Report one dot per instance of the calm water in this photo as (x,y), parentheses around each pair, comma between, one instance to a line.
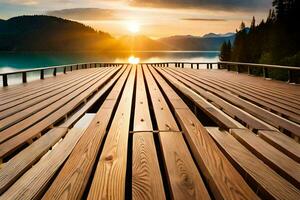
(18,61)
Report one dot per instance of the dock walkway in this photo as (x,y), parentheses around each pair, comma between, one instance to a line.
(148,132)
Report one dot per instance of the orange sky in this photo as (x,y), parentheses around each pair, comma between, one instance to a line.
(157,18)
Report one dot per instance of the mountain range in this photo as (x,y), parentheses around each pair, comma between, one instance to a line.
(48,33)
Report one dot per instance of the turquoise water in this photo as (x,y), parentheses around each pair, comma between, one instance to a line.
(18,61)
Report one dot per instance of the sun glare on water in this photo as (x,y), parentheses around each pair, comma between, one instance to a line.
(133,60)
(133,27)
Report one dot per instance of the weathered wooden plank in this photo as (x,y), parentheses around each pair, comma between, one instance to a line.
(282,164)
(34,181)
(224,181)
(18,165)
(66,92)
(33,87)
(267,182)
(267,94)
(217,115)
(291,113)
(184,178)
(31,94)
(73,177)
(146,177)
(73,119)
(11,144)
(110,175)
(226,107)
(258,95)
(251,108)
(283,143)
(21,104)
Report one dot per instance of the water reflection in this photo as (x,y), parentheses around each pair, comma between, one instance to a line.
(17,61)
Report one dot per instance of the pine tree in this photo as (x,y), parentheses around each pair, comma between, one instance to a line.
(252,27)
(225,54)
(242,26)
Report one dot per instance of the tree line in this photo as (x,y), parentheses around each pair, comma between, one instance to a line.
(275,40)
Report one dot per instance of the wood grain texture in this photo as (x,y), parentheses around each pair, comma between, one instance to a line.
(219,117)
(38,106)
(267,181)
(109,178)
(18,165)
(15,92)
(280,108)
(34,181)
(283,143)
(260,113)
(223,179)
(227,107)
(236,80)
(11,144)
(282,164)
(44,96)
(184,178)
(146,176)
(19,104)
(72,179)
(34,117)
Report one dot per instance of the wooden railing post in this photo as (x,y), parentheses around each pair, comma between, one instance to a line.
(42,74)
(197,65)
(211,65)
(4,80)
(192,65)
(24,77)
(265,72)
(182,65)
(291,77)
(228,67)
(54,72)
(237,68)
(65,70)
(219,66)
(248,70)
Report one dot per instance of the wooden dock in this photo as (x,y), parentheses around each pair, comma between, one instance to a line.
(149,132)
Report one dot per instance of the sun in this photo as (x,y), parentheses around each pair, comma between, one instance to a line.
(133,60)
(133,27)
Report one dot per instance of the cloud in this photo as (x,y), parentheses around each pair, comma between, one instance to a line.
(203,19)
(245,5)
(86,14)
(24,2)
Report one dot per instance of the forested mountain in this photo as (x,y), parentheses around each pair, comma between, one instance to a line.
(274,41)
(45,33)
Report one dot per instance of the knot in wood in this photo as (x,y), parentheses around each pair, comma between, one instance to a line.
(109,158)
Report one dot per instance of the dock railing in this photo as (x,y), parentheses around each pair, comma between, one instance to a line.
(286,73)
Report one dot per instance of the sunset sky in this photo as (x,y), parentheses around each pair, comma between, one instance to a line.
(156,18)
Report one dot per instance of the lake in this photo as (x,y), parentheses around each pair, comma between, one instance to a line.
(18,61)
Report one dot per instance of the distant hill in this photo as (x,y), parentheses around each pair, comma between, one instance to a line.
(209,42)
(214,35)
(45,33)
(142,43)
